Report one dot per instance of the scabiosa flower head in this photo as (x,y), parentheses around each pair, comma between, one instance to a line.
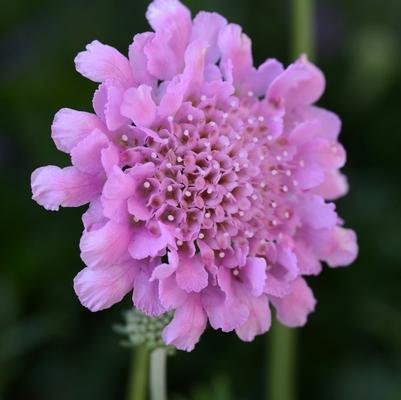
(208,180)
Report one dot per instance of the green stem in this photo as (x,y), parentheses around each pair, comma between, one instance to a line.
(303,28)
(138,379)
(158,385)
(282,354)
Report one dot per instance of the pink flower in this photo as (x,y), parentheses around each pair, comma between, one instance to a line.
(209,180)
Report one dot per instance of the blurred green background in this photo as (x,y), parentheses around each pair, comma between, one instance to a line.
(52,348)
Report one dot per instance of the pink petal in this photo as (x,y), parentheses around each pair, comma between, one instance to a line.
(53,187)
(146,244)
(259,319)
(191,274)
(100,289)
(103,247)
(93,218)
(139,61)
(118,188)
(335,185)
(187,326)
(172,22)
(293,310)
(139,106)
(70,127)
(146,295)
(171,296)
(300,84)
(330,124)
(236,47)
(314,212)
(258,80)
(222,313)
(86,155)
(206,27)
(253,274)
(107,101)
(343,247)
(100,62)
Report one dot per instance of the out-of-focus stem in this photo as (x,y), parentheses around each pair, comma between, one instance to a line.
(303,28)
(138,379)
(158,385)
(282,355)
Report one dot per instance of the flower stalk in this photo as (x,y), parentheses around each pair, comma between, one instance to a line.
(158,384)
(138,379)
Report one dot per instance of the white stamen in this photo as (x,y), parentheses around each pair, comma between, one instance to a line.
(269,137)
(278,158)
(241,213)
(255,140)
(171,218)
(201,236)
(124,138)
(180,242)
(254,197)
(212,124)
(250,93)
(287,215)
(209,190)
(146,185)
(170,118)
(261,158)
(208,215)
(222,254)
(188,193)
(169,188)
(154,155)
(274,222)
(233,103)
(190,117)
(238,137)
(186,132)
(284,188)
(261,118)
(225,115)
(210,158)
(288,172)
(203,97)
(235,271)
(273,204)
(274,172)
(179,159)
(262,185)
(250,121)
(169,165)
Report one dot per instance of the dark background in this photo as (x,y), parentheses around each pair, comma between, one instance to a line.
(52,348)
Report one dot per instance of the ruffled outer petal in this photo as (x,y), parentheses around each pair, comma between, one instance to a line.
(293,310)
(87,154)
(53,187)
(100,62)
(103,247)
(146,294)
(188,324)
(71,126)
(191,274)
(259,318)
(139,106)
(100,289)
(301,83)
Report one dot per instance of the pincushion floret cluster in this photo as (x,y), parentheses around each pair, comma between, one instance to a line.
(209,181)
